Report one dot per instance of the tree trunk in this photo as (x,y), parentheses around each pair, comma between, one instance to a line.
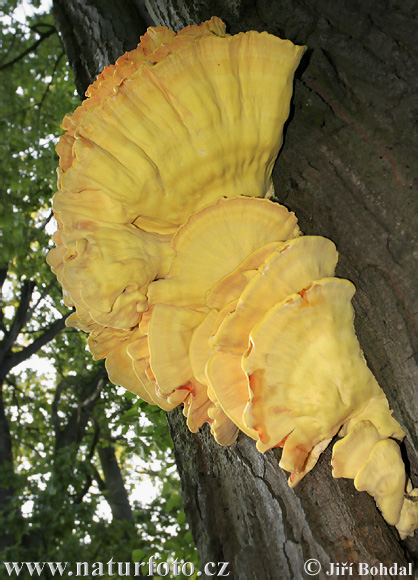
(115,491)
(346,171)
(7,476)
(95,34)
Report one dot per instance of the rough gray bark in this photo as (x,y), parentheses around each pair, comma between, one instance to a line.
(242,511)
(95,34)
(346,171)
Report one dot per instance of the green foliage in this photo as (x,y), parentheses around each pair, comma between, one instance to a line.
(36,93)
(64,417)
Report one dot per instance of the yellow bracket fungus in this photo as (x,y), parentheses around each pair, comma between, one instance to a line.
(214,241)
(169,335)
(196,290)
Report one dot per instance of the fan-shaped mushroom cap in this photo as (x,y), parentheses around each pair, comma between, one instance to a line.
(138,351)
(169,334)
(408,519)
(290,268)
(215,241)
(199,349)
(83,321)
(383,477)
(138,348)
(102,340)
(350,453)
(127,359)
(155,45)
(377,412)
(121,372)
(231,286)
(222,428)
(308,364)
(170,330)
(107,268)
(230,386)
(375,463)
(159,128)
(309,462)
(196,406)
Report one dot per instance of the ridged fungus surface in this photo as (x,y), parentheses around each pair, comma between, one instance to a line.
(195,288)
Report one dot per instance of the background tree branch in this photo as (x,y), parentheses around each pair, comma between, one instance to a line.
(32,48)
(12,359)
